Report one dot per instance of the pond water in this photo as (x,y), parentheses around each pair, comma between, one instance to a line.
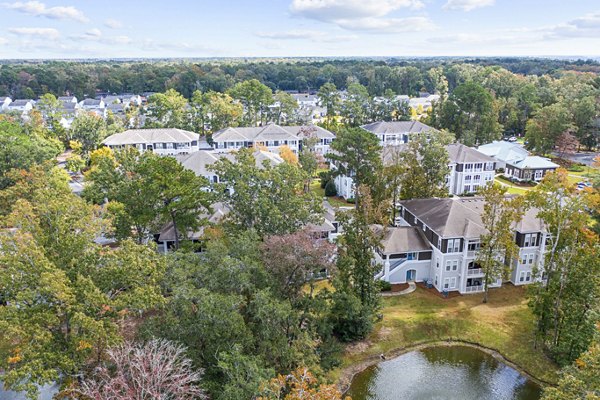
(443,372)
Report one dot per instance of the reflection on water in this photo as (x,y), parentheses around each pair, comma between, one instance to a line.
(444,372)
(45,393)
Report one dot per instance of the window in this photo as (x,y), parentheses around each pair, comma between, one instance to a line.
(530,240)
(477,178)
(528,276)
(522,277)
(452,283)
(454,265)
(531,257)
(489,166)
(467,188)
(448,265)
(523,259)
(446,283)
(436,280)
(467,178)
(453,246)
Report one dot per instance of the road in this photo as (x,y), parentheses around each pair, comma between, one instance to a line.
(583,157)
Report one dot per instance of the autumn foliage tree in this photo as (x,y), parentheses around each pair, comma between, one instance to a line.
(294,259)
(301,384)
(64,296)
(154,370)
(566,143)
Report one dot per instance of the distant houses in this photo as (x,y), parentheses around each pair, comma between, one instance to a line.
(517,163)
(22,107)
(4,102)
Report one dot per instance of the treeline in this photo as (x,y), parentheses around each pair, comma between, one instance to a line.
(403,76)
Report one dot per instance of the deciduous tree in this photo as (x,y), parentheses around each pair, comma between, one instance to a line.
(498,246)
(157,369)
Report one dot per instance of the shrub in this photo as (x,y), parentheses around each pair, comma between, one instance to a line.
(325,177)
(330,189)
(385,286)
(351,320)
(576,168)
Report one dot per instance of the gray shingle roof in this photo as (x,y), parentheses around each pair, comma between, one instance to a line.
(21,103)
(402,239)
(460,154)
(200,161)
(268,132)
(137,136)
(397,127)
(461,217)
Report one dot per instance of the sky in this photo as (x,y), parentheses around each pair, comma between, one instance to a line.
(298,28)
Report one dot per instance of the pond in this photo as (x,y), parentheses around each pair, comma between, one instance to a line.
(443,372)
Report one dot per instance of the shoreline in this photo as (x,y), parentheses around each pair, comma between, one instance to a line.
(348,373)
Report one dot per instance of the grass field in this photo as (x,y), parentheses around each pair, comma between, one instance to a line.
(315,186)
(504,324)
(512,188)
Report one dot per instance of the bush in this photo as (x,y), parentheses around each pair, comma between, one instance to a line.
(385,286)
(576,168)
(325,177)
(330,189)
(351,320)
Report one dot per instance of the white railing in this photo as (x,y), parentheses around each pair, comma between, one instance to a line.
(474,271)
(474,289)
(471,253)
(396,263)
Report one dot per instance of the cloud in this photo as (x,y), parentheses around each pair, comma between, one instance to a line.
(39,9)
(49,33)
(95,35)
(333,10)
(389,25)
(290,35)
(3,41)
(314,36)
(467,5)
(363,15)
(582,27)
(113,23)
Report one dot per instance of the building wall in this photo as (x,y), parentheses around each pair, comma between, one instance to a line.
(449,271)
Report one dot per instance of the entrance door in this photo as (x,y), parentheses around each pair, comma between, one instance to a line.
(411,275)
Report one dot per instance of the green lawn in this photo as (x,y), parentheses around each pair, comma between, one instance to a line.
(504,324)
(315,186)
(512,188)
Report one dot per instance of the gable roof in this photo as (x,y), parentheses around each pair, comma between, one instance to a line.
(535,162)
(199,161)
(391,127)
(461,217)
(137,136)
(402,239)
(460,154)
(268,132)
(504,151)
(21,102)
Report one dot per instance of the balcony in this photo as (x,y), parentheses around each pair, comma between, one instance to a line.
(474,289)
(471,253)
(474,271)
